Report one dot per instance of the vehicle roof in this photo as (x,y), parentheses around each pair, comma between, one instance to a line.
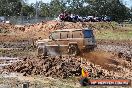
(72,29)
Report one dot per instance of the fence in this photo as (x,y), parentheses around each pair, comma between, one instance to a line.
(27,20)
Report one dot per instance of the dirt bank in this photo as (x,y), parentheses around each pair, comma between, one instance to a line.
(53,67)
(100,64)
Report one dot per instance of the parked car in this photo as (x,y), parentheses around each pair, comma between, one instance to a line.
(97,19)
(2,19)
(107,18)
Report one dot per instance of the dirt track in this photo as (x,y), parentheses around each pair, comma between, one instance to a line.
(122,48)
(100,64)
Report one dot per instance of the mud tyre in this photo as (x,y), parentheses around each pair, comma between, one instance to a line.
(91,49)
(73,50)
(42,52)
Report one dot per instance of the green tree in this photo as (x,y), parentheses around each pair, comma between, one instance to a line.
(8,7)
(28,10)
(131,12)
(44,9)
(56,7)
(114,8)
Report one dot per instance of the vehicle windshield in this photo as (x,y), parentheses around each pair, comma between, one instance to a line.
(55,35)
(88,33)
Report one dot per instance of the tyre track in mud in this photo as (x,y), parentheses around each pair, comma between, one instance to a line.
(122,48)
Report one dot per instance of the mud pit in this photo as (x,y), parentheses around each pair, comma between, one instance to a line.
(112,65)
(50,67)
(100,64)
(109,60)
(122,48)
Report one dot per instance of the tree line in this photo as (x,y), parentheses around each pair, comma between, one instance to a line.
(114,8)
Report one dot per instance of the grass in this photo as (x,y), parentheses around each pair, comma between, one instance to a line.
(117,33)
(39,82)
(114,35)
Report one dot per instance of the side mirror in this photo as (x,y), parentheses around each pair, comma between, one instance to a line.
(50,37)
(53,39)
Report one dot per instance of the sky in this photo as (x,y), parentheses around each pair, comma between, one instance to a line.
(127,2)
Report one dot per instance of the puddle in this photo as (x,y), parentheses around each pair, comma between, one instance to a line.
(4,61)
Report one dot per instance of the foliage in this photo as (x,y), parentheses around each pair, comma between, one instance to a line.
(8,7)
(114,8)
(28,10)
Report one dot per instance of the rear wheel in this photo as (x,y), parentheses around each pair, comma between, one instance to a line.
(42,51)
(73,50)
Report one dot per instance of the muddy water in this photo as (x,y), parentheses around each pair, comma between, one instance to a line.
(4,61)
(22,44)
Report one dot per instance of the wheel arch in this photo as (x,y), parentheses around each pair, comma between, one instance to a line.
(72,43)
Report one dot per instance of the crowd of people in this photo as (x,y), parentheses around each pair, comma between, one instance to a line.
(64,16)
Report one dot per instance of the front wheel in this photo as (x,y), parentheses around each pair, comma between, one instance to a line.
(73,50)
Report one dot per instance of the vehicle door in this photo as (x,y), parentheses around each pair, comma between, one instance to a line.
(53,45)
(64,41)
(77,37)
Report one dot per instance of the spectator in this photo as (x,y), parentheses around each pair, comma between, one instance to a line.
(61,16)
(76,18)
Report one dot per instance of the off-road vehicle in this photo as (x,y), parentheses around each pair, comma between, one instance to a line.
(70,41)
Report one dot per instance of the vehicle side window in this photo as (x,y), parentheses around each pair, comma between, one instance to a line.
(64,35)
(77,34)
(56,35)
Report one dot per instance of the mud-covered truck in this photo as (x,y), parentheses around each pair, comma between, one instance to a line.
(67,41)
